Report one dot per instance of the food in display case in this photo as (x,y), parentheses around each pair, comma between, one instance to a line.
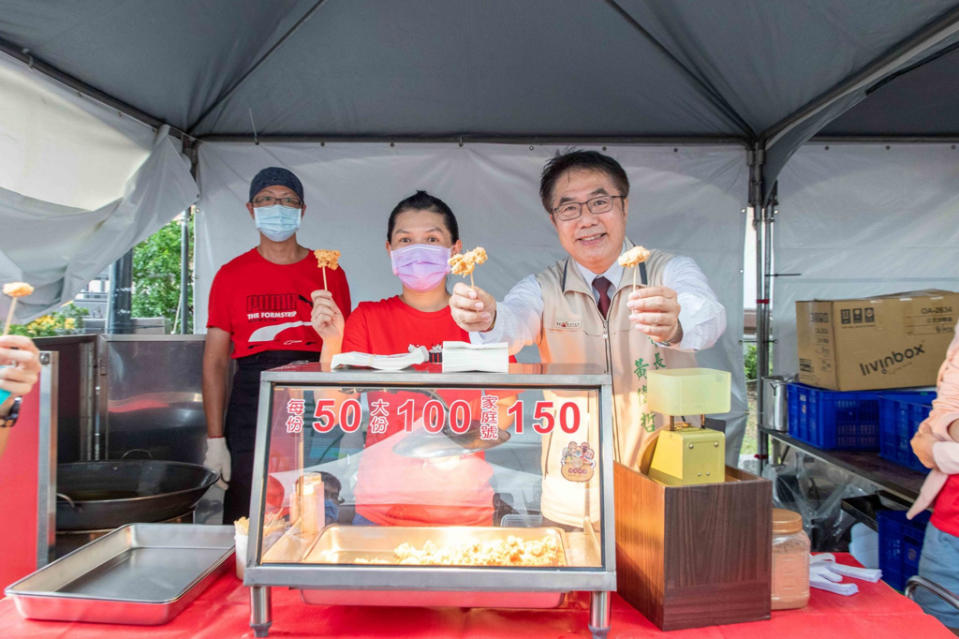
(512,551)
(475,546)
(440,475)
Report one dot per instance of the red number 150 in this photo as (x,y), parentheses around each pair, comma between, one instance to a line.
(545,415)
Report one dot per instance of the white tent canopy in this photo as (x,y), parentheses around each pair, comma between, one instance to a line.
(468,99)
(766,75)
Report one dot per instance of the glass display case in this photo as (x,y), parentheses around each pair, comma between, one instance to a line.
(420,487)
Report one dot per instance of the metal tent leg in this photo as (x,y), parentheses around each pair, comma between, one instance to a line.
(261,610)
(599,615)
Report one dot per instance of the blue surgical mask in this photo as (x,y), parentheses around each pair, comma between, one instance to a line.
(277,222)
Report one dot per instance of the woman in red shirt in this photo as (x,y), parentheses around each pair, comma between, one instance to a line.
(422,234)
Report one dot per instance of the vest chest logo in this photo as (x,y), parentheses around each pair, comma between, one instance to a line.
(567,324)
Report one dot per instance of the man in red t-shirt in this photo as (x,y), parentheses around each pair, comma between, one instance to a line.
(262,313)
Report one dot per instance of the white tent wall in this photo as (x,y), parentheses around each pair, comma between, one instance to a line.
(80,184)
(64,148)
(862,219)
(687,200)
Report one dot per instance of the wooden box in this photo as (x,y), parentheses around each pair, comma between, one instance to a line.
(692,556)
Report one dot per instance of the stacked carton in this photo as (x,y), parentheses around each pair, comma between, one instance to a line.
(889,341)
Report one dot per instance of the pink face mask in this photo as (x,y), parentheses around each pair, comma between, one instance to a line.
(421,266)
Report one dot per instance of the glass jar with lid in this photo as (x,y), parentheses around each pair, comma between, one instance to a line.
(790,561)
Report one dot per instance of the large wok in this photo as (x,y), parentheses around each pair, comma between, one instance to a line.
(107,494)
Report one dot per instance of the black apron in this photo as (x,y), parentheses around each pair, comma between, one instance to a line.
(240,427)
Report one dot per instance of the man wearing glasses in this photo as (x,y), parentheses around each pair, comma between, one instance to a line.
(584,310)
(260,312)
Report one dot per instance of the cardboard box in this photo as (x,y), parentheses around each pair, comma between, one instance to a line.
(890,341)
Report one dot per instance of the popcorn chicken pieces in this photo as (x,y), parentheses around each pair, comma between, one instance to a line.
(17,289)
(464,263)
(634,256)
(511,551)
(459,265)
(326,258)
(479,255)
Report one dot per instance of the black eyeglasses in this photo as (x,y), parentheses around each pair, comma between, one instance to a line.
(569,211)
(269,200)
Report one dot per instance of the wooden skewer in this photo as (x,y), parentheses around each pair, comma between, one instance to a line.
(6,327)
(472,285)
(324,279)
(634,276)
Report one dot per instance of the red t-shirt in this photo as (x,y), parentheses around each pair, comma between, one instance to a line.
(945,512)
(404,491)
(266,306)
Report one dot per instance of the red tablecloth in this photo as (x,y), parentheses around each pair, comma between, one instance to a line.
(877,612)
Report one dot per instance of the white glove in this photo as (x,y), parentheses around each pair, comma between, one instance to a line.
(826,574)
(217,459)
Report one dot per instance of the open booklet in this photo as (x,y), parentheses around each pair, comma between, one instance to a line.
(396,362)
(463,356)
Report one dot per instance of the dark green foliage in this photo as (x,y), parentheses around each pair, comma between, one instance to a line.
(156,275)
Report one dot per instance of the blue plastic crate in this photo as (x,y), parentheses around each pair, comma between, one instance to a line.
(900,545)
(899,417)
(834,420)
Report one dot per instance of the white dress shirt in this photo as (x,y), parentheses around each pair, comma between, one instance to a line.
(703,318)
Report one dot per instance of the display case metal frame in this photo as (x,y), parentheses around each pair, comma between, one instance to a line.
(599,580)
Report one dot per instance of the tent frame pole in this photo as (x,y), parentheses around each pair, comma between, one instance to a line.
(119,304)
(463,139)
(190,149)
(761,215)
(770,211)
(907,51)
(184,265)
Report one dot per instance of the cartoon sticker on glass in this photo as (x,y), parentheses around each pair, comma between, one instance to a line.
(579,462)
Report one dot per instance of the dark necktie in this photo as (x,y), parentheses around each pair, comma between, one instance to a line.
(601,284)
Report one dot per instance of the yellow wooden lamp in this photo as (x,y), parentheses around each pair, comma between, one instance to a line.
(682,454)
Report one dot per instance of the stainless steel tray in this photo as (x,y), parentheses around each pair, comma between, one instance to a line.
(142,574)
(375,544)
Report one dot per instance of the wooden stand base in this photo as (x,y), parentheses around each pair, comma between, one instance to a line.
(692,556)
